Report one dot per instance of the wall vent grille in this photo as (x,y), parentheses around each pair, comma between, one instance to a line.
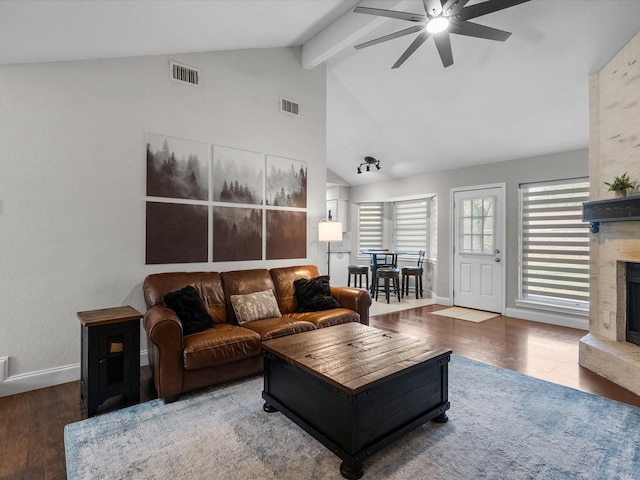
(184,74)
(289,106)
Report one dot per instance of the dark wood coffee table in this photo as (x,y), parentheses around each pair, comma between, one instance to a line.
(355,388)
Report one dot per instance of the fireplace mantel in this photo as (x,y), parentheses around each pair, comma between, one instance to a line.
(624,209)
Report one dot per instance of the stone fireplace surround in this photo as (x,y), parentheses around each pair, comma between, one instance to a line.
(605,349)
(614,148)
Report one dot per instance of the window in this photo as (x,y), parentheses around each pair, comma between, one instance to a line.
(476,226)
(554,247)
(411,225)
(370,221)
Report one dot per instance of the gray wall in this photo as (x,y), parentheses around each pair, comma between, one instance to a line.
(555,166)
(73,180)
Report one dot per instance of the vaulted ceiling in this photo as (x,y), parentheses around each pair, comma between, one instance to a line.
(499,101)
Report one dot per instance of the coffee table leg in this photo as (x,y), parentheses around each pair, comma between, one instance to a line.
(351,469)
(444,418)
(267,407)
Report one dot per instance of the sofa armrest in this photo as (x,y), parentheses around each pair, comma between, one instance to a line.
(164,335)
(355,299)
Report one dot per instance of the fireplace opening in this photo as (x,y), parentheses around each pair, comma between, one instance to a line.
(633,303)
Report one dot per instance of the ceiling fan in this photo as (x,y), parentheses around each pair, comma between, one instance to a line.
(441,18)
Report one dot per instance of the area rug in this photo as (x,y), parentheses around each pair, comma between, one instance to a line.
(468,314)
(381,307)
(502,425)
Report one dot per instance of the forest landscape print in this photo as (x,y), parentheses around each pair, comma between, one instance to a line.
(176,233)
(237,234)
(286,234)
(209,203)
(238,176)
(177,168)
(286,182)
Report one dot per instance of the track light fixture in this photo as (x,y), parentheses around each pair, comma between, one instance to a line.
(369,162)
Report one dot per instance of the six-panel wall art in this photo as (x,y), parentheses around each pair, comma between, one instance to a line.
(208,203)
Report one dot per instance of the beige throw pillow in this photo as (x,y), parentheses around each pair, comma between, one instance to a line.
(255,306)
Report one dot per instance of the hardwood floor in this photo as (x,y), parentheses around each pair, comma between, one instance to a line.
(32,423)
(543,351)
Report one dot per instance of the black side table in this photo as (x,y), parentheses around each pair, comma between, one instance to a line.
(110,363)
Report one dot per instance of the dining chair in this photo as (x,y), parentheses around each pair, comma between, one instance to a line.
(413,271)
(388,275)
(358,271)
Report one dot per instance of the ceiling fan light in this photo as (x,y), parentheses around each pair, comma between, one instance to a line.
(437,24)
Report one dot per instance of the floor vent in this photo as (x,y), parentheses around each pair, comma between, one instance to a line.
(184,74)
(289,106)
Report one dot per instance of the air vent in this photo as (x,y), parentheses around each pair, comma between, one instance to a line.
(289,106)
(184,74)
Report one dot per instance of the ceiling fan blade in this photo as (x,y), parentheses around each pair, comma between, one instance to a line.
(420,39)
(471,29)
(432,7)
(490,6)
(451,7)
(391,36)
(412,17)
(443,44)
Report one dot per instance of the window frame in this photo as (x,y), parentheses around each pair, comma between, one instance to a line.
(576,235)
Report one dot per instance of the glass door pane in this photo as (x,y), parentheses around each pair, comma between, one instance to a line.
(477,226)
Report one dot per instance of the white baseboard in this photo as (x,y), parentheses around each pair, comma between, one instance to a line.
(581,323)
(70,373)
(48,378)
(442,300)
(40,379)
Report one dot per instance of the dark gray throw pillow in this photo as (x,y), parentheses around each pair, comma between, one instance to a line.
(190,310)
(314,294)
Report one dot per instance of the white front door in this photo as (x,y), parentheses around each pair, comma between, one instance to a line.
(478,246)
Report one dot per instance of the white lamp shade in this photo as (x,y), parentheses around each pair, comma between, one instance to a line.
(330,231)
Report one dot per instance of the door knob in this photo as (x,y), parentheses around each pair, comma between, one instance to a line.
(497,251)
(497,260)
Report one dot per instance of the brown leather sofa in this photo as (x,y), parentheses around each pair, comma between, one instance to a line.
(227,351)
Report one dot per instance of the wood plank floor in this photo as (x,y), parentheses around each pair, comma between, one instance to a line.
(32,423)
(543,351)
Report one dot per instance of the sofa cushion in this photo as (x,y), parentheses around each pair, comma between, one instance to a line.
(241,282)
(207,284)
(314,294)
(188,305)
(255,306)
(326,318)
(269,328)
(283,278)
(221,344)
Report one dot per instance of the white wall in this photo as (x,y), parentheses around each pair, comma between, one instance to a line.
(536,169)
(72,181)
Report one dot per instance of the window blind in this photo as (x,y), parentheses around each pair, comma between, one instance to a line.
(554,243)
(370,222)
(411,225)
